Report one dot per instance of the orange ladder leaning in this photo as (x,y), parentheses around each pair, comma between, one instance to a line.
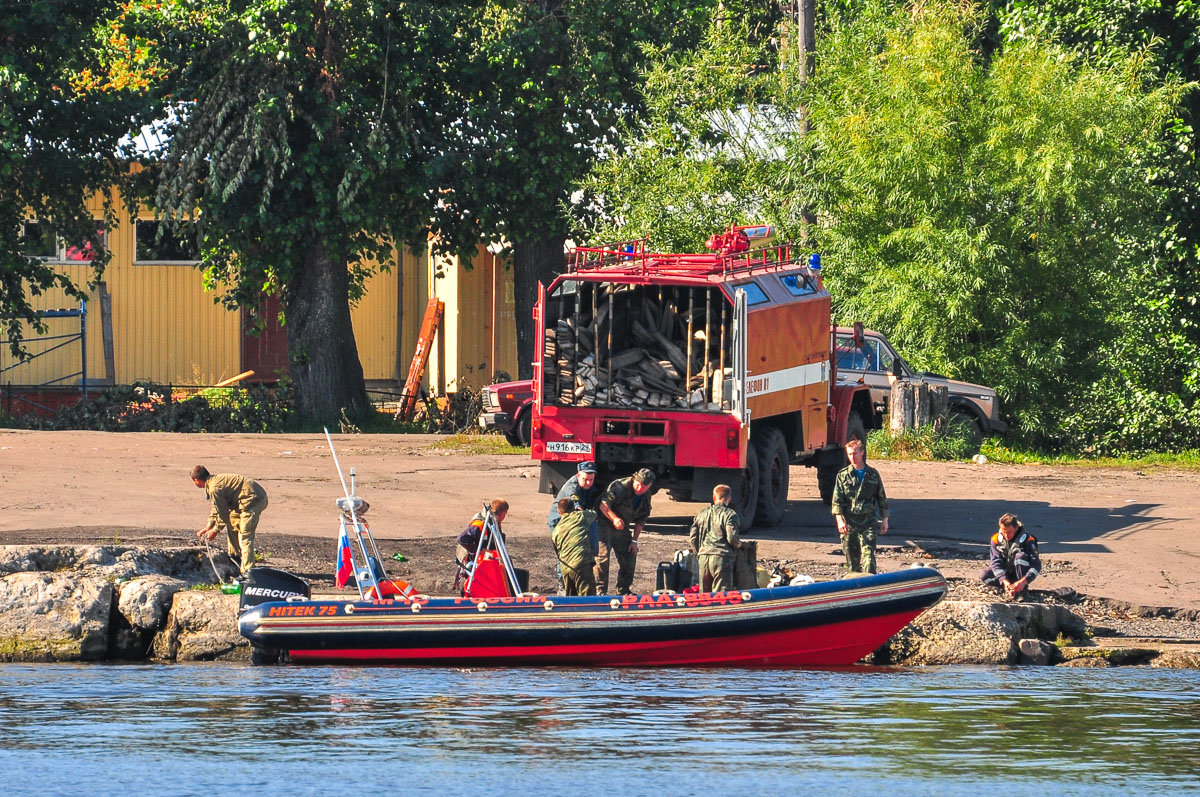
(412,385)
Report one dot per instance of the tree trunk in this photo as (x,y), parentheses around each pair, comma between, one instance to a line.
(322,354)
(533,262)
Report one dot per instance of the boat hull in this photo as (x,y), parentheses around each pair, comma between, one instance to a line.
(826,624)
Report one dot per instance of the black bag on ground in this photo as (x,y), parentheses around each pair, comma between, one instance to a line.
(667,577)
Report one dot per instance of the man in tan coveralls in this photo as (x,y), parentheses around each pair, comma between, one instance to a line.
(237,503)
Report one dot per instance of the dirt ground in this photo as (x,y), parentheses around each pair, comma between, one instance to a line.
(1119,534)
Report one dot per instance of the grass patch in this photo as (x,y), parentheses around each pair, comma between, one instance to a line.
(1182,460)
(923,443)
(477,444)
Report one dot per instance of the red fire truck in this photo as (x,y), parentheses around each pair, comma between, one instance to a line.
(707,368)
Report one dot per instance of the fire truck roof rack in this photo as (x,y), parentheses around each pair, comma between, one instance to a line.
(630,258)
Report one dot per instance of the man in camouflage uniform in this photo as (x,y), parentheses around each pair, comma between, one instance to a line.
(858,499)
(237,504)
(584,494)
(714,537)
(572,543)
(1014,560)
(624,508)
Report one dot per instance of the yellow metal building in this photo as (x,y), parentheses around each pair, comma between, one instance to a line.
(166,328)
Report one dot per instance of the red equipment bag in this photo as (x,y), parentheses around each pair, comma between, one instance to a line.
(490,581)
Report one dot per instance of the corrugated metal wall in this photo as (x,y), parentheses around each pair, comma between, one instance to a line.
(168,329)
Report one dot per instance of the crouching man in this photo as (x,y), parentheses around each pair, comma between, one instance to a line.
(573,544)
(715,534)
(1014,560)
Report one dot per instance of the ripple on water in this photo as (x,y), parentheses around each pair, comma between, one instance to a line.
(195,728)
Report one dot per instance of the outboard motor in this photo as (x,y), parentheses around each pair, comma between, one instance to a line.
(267,584)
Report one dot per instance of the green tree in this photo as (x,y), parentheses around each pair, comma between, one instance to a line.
(975,207)
(61,127)
(307,139)
(706,152)
(548,83)
(1150,399)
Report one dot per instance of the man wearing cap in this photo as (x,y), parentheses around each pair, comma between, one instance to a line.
(624,508)
(584,494)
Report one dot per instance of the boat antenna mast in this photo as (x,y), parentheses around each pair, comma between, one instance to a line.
(351,505)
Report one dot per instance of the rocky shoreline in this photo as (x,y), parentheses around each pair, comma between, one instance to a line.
(94,603)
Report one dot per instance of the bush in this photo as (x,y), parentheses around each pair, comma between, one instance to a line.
(148,407)
(925,442)
(1117,419)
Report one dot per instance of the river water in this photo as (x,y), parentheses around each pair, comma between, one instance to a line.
(223,729)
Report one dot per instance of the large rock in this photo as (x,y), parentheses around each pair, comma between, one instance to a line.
(114,561)
(142,608)
(145,602)
(1178,659)
(975,632)
(1036,652)
(202,626)
(54,617)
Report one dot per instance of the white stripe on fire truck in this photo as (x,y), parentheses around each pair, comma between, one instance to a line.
(786,379)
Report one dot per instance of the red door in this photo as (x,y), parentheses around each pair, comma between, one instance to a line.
(266,352)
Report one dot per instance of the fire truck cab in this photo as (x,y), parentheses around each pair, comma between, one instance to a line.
(707,368)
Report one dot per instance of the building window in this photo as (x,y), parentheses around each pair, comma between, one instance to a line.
(39,242)
(157,242)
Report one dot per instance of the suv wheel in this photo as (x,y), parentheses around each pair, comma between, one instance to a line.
(521,430)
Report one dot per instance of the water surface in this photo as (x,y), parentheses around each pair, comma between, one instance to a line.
(221,729)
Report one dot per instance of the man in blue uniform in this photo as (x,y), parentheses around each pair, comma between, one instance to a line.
(1014,561)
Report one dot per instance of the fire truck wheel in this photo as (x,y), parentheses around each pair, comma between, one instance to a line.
(826,476)
(771,450)
(745,499)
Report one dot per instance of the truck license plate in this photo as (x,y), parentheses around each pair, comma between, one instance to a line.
(565,447)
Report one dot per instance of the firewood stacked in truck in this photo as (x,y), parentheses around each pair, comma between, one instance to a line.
(625,345)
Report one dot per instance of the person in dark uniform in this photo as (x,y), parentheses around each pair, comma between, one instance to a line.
(860,507)
(715,535)
(1014,561)
(624,508)
(237,505)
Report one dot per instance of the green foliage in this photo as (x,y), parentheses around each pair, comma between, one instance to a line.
(478,444)
(699,160)
(59,137)
(975,208)
(1157,355)
(146,407)
(953,442)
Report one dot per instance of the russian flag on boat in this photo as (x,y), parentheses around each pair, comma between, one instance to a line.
(344,566)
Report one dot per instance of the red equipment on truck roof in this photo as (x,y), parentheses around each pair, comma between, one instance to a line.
(708,368)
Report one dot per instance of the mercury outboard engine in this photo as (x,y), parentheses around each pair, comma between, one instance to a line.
(267,584)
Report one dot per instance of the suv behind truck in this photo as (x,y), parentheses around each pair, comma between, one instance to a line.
(976,406)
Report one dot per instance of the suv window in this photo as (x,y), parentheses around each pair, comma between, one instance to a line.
(873,356)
